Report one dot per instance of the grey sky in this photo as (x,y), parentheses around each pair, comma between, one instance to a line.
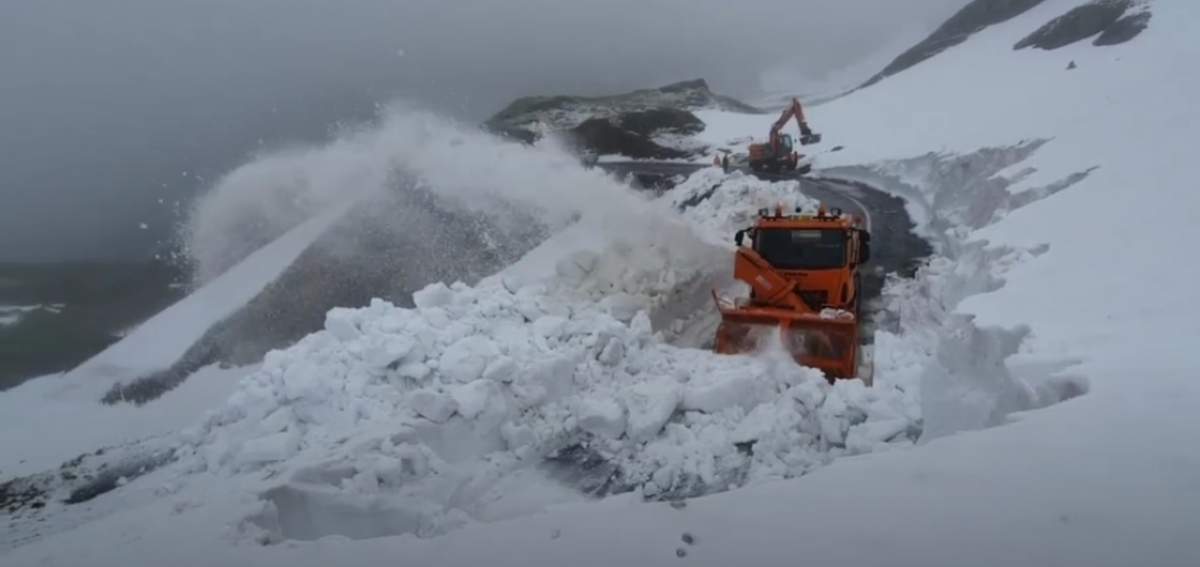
(104,104)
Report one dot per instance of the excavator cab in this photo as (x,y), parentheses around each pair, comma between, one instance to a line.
(803,276)
(786,145)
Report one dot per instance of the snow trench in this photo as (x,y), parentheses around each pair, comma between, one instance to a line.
(974,376)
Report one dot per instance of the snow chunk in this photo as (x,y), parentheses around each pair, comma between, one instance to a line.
(466,359)
(342,323)
(268,449)
(433,295)
(389,350)
(471,399)
(433,405)
(601,417)
(650,406)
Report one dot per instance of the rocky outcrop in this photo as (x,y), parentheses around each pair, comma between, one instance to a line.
(1124,29)
(973,18)
(659,120)
(625,124)
(1116,21)
(1085,21)
(566,112)
(601,136)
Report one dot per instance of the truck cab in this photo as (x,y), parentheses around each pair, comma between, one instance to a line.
(820,252)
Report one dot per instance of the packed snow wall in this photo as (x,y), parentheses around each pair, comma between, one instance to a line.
(975,376)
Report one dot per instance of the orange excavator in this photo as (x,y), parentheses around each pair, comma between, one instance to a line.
(803,276)
(779,152)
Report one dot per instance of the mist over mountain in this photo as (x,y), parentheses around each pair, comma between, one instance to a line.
(116,114)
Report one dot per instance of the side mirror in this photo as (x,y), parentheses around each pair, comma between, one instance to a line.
(737,238)
(864,247)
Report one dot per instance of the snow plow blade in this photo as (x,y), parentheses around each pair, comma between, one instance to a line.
(825,341)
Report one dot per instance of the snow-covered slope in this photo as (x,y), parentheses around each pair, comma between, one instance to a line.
(1057,200)
(64,409)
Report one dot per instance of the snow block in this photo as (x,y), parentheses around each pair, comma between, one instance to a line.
(268,449)
(466,359)
(622,306)
(550,326)
(473,398)
(500,369)
(722,390)
(601,417)
(865,437)
(388,350)
(641,326)
(413,370)
(650,405)
(517,436)
(433,295)
(342,324)
(612,352)
(433,405)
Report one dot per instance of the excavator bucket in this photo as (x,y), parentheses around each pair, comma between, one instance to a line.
(829,342)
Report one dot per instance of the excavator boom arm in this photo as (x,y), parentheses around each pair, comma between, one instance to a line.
(795,110)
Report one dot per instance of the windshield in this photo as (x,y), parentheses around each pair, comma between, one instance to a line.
(802,249)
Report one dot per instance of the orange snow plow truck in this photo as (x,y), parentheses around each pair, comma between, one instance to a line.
(803,276)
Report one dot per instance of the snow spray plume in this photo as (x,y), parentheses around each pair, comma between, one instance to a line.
(262,199)
(769,347)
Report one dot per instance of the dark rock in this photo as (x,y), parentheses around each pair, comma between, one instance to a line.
(1124,29)
(603,137)
(1071,66)
(1079,23)
(699,84)
(559,113)
(517,134)
(649,122)
(973,18)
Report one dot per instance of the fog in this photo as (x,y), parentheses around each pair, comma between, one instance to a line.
(112,112)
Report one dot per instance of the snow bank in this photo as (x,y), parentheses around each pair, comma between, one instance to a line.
(478,385)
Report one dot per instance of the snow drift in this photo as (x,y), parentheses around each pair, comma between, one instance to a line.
(430,411)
